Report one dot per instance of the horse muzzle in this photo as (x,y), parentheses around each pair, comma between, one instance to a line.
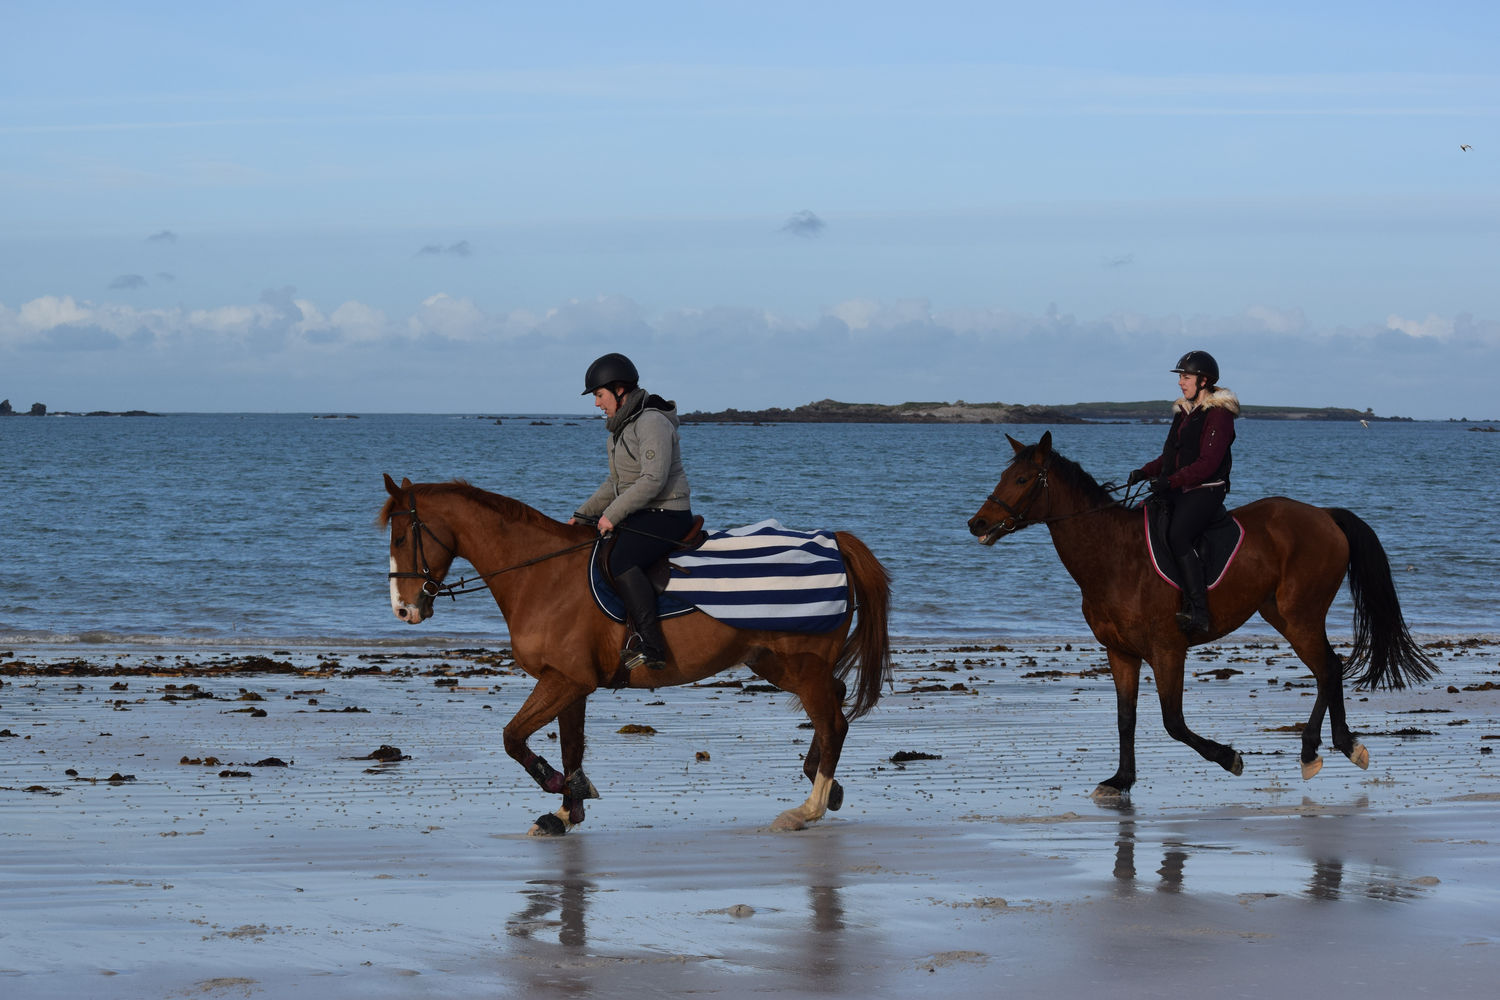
(987,533)
(413,614)
(406,610)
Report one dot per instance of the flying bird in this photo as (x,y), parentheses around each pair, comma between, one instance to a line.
(1465,146)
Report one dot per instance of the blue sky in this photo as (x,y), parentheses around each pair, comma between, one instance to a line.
(455,207)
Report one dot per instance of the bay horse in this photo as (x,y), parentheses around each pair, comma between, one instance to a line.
(1289,566)
(537,570)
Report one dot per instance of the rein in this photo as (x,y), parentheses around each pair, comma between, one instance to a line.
(432,588)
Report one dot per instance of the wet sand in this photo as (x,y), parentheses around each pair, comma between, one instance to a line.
(230,829)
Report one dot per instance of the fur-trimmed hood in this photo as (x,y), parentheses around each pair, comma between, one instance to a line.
(1209,398)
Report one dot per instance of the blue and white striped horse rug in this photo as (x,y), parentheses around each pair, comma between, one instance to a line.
(761,576)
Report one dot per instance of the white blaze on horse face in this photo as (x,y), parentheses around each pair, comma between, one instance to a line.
(399,608)
(395,594)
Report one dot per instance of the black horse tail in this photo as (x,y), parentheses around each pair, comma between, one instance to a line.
(1382,644)
(869,644)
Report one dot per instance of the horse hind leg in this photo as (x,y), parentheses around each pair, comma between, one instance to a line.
(1310,760)
(1343,738)
(821,695)
(814,759)
(1328,670)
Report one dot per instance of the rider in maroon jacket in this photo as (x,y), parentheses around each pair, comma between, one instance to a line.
(1192,474)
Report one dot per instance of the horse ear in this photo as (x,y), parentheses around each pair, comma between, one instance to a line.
(405,483)
(1016,445)
(390,484)
(1045,444)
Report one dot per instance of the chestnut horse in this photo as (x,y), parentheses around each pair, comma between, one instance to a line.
(537,570)
(1289,566)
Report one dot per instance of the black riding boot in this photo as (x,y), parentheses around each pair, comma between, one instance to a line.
(1193,618)
(639,596)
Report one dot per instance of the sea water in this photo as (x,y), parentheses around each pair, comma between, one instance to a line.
(226,529)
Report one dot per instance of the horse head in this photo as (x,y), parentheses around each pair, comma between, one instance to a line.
(1009,507)
(421,552)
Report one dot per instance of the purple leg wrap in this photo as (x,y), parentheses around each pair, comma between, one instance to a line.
(544,775)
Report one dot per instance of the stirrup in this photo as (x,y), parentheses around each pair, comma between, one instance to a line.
(642,655)
(1193,624)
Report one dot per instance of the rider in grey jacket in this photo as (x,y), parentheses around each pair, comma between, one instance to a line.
(645,498)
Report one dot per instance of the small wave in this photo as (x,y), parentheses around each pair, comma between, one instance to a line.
(102,637)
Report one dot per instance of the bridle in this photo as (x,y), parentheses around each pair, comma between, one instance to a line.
(431,586)
(1018,517)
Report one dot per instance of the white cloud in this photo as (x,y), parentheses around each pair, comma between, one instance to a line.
(50,311)
(869,314)
(229,321)
(607,316)
(1433,327)
(359,322)
(735,356)
(448,318)
(1275,320)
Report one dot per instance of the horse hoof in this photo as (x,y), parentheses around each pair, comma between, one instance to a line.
(1360,756)
(1110,798)
(1237,766)
(547,825)
(789,820)
(1311,767)
(835,796)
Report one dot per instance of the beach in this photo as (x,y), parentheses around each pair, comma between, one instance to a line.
(345,823)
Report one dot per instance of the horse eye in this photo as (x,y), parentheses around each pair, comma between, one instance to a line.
(1021,479)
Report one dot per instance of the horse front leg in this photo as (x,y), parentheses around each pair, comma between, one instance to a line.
(553,694)
(576,785)
(1126,670)
(1169,678)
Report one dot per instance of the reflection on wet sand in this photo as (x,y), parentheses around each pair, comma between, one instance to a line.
(567,895)
(1330,877)
(823,948)
(556,908)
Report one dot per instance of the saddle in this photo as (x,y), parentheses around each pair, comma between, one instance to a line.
(1216,548)
(659,573)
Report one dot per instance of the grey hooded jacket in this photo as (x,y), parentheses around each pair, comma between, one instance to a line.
(645,463)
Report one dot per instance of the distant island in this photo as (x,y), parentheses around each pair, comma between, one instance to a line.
(40,410)
(830,411)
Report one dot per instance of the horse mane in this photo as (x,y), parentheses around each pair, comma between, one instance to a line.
(1072,475)
(508,508)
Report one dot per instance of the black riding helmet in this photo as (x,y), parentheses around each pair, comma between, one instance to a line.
(609,369)
(1198,363)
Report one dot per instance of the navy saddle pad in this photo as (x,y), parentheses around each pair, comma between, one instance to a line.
(1217,548)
